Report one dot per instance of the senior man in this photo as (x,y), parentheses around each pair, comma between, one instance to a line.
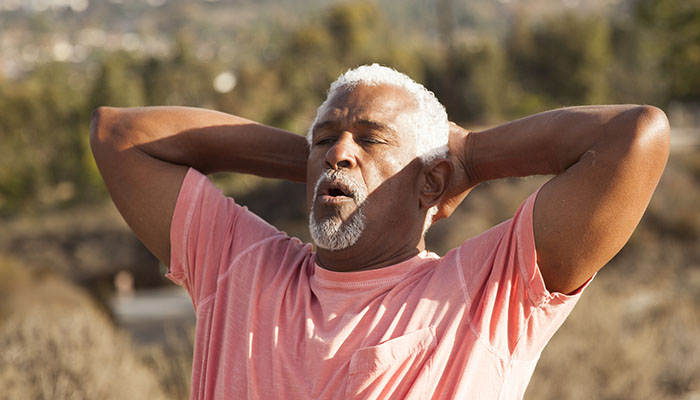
(369,313)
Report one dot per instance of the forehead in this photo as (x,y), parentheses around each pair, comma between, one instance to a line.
(386,104)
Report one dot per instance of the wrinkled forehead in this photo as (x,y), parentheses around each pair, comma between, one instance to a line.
(387,105)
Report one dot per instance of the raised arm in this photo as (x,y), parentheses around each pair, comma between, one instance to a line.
(143,155)
(607,161)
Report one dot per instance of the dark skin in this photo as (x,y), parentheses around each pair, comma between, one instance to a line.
(606,162)
(363,132)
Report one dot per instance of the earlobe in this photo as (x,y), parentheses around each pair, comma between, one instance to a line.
(437,178)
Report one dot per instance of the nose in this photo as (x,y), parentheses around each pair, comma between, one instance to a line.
(343,152)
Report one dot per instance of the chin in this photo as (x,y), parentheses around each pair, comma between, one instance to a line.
(335,234)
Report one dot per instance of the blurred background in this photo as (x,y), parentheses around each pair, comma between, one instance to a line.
(85,312)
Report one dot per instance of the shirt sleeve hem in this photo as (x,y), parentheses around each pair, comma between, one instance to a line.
(530,271)
(180,224)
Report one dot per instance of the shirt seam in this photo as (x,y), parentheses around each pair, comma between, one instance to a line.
(532,297)
(518,342)
(537,302)
(188,224)
(467,299)
(370,282)
(354,285)
(508,367)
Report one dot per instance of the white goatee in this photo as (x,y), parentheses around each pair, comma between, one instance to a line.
(334,233)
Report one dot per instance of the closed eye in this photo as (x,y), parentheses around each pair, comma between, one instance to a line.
(370,140)
(324,141)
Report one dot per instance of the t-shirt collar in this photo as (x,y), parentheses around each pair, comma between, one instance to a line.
(372,277)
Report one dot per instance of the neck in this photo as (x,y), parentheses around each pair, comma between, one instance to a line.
(360,257)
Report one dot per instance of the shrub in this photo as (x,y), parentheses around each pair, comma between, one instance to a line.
(57,344)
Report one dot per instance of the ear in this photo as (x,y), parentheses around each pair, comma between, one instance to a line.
(437,177)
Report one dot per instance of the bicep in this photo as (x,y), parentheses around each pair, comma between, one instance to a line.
(584,215)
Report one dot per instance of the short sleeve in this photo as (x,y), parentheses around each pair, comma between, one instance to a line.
(207,231)
(510,308)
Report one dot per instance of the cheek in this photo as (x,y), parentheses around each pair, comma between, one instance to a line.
(389,164)
(394,164)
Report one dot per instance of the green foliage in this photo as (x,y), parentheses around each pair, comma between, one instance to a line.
(563,60)
(471,81)
(179,80)
(353,26)
(635,76)
(43,155)
(294,82)
(119,82)
(674,36)
(45,159)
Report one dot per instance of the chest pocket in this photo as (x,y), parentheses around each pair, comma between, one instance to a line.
(396,369)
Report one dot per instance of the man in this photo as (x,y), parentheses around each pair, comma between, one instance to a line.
(370,313)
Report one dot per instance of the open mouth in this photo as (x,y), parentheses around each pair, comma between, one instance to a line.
(338,188)
(335,192)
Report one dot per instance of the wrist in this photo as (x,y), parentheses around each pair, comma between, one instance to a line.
(467,159)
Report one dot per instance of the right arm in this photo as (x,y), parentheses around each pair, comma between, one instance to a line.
(143,155)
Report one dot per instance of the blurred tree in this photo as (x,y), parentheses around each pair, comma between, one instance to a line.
(471,81)
(44,157)
(673,28)
(285,90)
(354,27)
(635,72)
(563,60)
(180,80)
(119,83)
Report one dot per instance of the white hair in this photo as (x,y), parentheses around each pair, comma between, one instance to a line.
(431,128)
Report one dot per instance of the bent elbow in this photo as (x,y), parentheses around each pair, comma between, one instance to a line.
(97,124)
(654,129)
(104,127)
(647,135)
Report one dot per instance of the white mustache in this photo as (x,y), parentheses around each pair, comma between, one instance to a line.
(356,189)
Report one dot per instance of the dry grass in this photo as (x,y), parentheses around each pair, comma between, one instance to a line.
(57,344)
(172,363)
(623,343)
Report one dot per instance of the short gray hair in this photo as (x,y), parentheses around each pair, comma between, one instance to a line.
(429,121)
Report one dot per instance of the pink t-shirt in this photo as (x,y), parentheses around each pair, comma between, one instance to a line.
(272,324)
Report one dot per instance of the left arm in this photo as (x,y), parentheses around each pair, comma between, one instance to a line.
(606,160)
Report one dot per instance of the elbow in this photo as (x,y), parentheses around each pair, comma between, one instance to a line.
(644,131)
(104,127)
(97,125)
(653,132)
(653,121)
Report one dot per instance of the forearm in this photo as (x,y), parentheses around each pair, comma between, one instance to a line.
(206,140)
(607,161)
(552,141)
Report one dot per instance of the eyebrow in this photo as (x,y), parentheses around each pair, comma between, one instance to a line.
(321,125)
(375,125)
(367,123)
